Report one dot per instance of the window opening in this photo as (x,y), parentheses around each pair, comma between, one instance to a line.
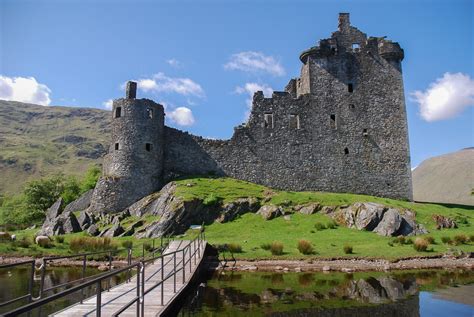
(268,120)
(148,147)
(333,121)
(294,121)
(117,146)
(118,112)
(350,87)
(346,151)
(149,113)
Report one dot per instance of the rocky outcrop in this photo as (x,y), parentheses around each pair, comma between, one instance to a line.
(444,222)
(58,222)
(308,209)
(82,203)
(378,218)
(232,210)
(269,212)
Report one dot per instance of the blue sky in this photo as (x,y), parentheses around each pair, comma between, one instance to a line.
(201,58)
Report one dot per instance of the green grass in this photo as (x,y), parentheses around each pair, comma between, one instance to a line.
(251,231)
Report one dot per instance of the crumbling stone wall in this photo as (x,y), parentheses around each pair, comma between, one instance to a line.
(347,141)
(340,127)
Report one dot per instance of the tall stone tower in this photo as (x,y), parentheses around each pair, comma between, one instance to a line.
(133,166)
(355,84)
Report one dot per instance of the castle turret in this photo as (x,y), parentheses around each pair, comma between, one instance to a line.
(134,164)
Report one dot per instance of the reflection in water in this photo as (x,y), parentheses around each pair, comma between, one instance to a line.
(317,294)
(14,283)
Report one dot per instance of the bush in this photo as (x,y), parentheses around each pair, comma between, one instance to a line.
(348,249)
(148,247)
(276,248)
(420,244)
(408,241)
(211,200)
(266,246)
(90,244)
(446,240)
(305,247)
(90,179)
(234,248)
(127,244)
(24,243)
(460,239)
(319,226)
(471,238)
(332,225)
(430,240)
(59,239)
(390,243)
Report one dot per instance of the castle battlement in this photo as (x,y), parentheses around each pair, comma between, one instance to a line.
(340,126)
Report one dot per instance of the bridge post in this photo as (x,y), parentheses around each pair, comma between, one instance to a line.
(174,275)
(43,273)
(140,273)
(184,267)
(143,288)
(162,278)
(190,259)
(99,298)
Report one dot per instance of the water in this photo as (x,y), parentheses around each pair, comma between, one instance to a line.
(406,293)
(14,283)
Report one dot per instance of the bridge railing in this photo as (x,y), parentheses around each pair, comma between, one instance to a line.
(193,248)
(29,295)
(98,281)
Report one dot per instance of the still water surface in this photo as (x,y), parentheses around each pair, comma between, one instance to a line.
(406,293)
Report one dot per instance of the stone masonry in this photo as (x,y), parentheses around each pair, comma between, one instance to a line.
(340,127)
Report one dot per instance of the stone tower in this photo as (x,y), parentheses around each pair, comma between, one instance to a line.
(134,163)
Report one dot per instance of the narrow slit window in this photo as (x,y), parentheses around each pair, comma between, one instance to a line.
(294,121)
(149,113)
(148,147)
(364,132)
(352,106)
(346,151)
(350,87)
(117,146)
(118,112)
(268,120)
(332,121)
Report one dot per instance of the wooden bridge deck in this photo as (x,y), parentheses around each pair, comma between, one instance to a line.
(120,295)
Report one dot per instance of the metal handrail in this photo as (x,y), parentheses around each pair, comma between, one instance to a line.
(139,299)
(97,281)
(199,239)
(29,295)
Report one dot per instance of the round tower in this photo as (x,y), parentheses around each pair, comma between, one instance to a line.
(133,166)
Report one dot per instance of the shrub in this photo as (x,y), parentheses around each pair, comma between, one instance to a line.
(332,225)
(305,247)
(24,242)
(276,248)
(446,240)
(390,243)
(471,238)
(127,244)
(460,239)
(148,247)
(348,249)
(430,240)
(211,200)
(59,239)
(319,226)
(420,244)
(266,246)
(400,240)
(91,244)
(234,248)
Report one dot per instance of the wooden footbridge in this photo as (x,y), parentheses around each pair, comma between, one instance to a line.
(152,291)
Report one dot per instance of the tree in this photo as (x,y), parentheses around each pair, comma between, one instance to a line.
(90,179)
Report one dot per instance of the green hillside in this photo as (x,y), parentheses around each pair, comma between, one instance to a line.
(37,141)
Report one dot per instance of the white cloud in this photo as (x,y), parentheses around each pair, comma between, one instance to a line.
(255,62)
(447,97)
(24,89)
(182,116)
(173,62)
(108,104)
(162,83)
(250,89)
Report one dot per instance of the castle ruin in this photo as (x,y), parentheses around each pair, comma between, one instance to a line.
(340,127)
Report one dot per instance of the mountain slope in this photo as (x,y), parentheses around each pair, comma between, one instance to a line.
(447,178)
(38,141)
